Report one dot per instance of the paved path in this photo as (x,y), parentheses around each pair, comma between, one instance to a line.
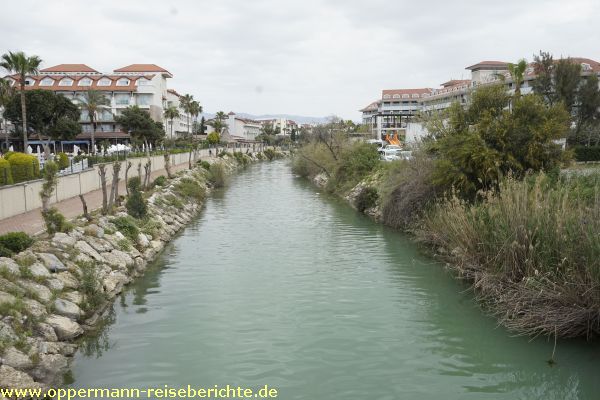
(32,222)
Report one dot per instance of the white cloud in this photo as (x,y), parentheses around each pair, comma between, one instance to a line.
(303,57)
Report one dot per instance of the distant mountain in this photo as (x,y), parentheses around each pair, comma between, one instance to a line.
(301,119)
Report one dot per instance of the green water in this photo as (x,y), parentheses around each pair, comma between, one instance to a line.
(278,284)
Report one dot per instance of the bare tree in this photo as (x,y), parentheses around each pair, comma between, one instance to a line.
(147,170)
(167,157)
(127,177)
(86,214)
(102,173)
(114,188)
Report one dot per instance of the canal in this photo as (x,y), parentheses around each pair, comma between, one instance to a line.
(277,283)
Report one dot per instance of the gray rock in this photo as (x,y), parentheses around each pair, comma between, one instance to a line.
(9,287)
(52,262)
(34,308)
(157,245)
(113,283)
(118,259)
(50,368)
(68,280)
(63,240)
(40,290)
(7,298)
(14,379)
(6,332)
(14,358)
(66,349)
(86,249)
(143,240)
(65,328)
(10,265)
(94,230)
(46,332)
(98,244)
(67,309)
(55,284)
(39,271)
(74,297)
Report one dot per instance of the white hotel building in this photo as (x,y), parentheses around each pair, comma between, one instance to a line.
(144,85)
(395,111)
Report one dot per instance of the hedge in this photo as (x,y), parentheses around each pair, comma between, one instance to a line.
(587,153)
(24,167)
(63,161)
(5,172)
(16,241)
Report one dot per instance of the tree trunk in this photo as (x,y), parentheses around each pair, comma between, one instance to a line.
(190,159)
(24,115)
(127,177)
(114,187)
(85,209)
(167,157)
(147,169)
(139,168)
(102,173)
(93,133)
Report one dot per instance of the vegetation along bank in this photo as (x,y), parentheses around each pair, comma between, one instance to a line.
(492,194)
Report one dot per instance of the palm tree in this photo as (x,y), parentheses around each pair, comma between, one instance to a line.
(221,116)
(195,109)
(21,65)
(6,91)
(517,73)
(171,113)
(91,102)
(186,102)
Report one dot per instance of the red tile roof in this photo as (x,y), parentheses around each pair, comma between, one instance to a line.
(371,107)
(392,92)
(456,82)
(76,78)
(488,64)
(142,68)
(69,68)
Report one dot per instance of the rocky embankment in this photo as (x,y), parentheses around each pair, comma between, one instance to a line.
(55,291)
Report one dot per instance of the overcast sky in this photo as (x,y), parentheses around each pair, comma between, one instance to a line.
(308,57)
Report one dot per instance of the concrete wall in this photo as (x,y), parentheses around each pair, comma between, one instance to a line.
(23,197)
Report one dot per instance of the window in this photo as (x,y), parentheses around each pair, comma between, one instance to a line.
(415,96)
(29,82)
(396,96)
(85,82)
(143,100)
(386,96)
(66,82)
(122,99)
(142,82)
(123,82)
(405,96)
(104,82)
(47,82)
(586,66)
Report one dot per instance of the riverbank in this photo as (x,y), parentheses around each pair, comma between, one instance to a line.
(530,250)
(55,291)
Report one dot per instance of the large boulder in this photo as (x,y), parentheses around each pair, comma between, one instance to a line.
(98,244)
(46,332)
(7,334)
(94,230)
(118,259)
(63,240)
(39,271)
(65,328)
(67,309)
(10,287)
(50,368)
(55,285)
(52,262)
(68,280)
(86,249)
(35,308)
(14,358)
(7,298)
(40,291)
(114,282)
(143,240)
(9,265)
(73,297)
(14,379)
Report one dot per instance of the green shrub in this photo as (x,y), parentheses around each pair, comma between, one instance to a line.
(24,167)
(63,161)
(260,156)
(136,204)
(9,154)
(127,226)
(582,153)
(55,221)
(270,154)
(354,164)
(4,252)
(205,165)
(90,287)
(172,200)
(5,172)
(218,175)
(190,189)
(241,158)
(223,153)
(160,181)
(151,227)
(366,199)
(16,241)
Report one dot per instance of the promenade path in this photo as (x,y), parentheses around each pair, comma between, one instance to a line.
(31,222)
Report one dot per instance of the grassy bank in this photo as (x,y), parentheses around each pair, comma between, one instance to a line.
(530,246)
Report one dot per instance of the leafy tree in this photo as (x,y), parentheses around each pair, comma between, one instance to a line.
(186,102)
(49,114)
(20,64)
(221,116)
(543,66)
(213,138)
(486,141)
(171,113)
(91,102)
(517,73)
(567,76)
(140,125)
(588,110)
(194,110)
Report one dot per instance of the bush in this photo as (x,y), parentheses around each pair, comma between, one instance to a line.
(354,164)
(205,165)
(190,189)
(127,226)
(24,167)
(5,172)
(582,153)
(4,252)
(270,154)
(136,204)
(241,158)
(91,287)
(55,221)
(218,175)
(366,199)
(160,181)
(63,161)
(16,241)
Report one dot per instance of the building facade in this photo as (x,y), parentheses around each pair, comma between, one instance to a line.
(242,129)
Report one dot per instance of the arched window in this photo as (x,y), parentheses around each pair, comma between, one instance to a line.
(142,82)
(415,96)
(396,96)
(405,96)
(586,67)
(66,82)
(104,82)
(123,82)
(386,96)
(47,82)
(85,82)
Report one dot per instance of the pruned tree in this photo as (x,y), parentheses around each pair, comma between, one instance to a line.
(167,158)
(147,171)
(114,187)
(102,173)
(127,177)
